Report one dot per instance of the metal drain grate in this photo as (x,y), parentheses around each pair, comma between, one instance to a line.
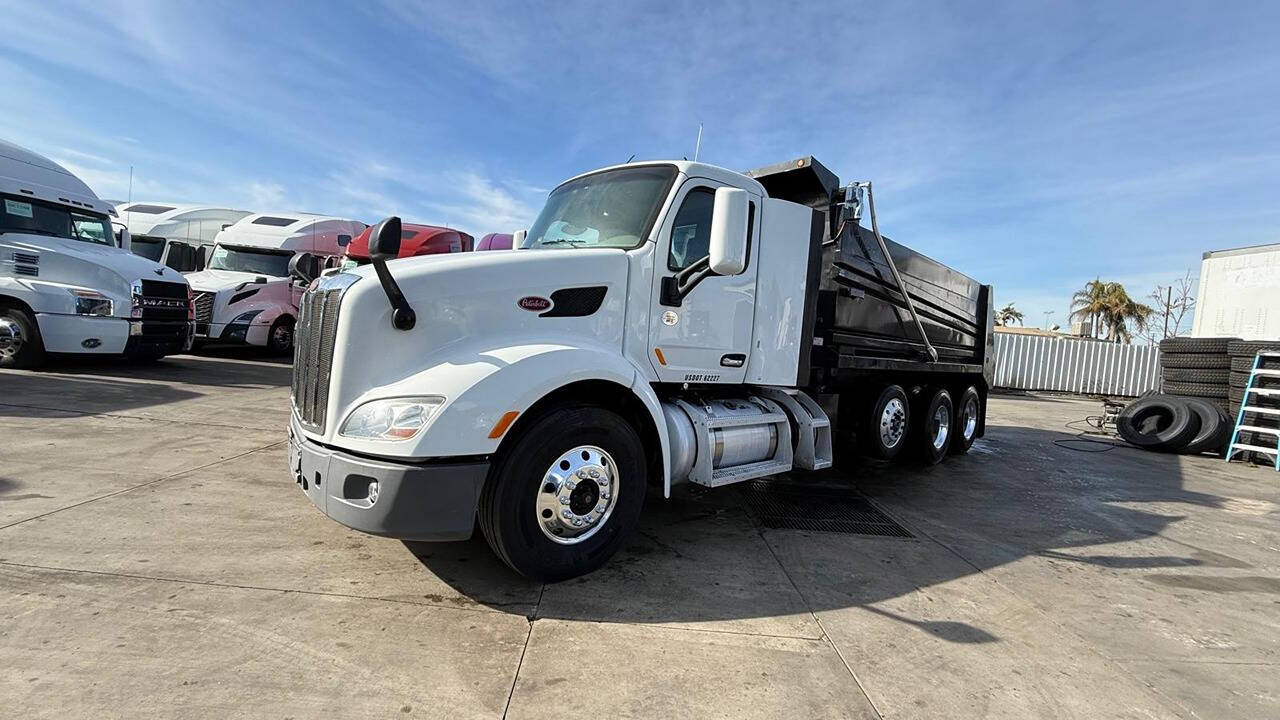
(797,507)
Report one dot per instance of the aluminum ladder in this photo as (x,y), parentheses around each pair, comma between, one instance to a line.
(1265,365)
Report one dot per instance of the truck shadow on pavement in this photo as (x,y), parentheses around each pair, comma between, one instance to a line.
(703,557)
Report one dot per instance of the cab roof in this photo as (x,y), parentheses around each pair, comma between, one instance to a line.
(691,169)
(25,173)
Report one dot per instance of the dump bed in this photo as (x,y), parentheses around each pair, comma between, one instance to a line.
(862,321)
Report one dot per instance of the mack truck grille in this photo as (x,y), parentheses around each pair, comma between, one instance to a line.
(203,302)
(163,301)
(313,355)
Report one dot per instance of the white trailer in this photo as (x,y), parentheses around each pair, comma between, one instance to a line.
(249,290)
(1239,294)
(173,234)
(663,323)
(65,286)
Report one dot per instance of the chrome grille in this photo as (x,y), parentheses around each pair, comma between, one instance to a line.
(203,307)
(314,339)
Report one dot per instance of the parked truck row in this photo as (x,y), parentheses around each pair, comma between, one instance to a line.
(662,323)
(79,275)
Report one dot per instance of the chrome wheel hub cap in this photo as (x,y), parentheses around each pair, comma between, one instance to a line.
(577,495)
(10,337)
(969,418)
(941,427)
(893,423)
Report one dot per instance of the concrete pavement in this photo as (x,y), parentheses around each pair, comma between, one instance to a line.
(157,561)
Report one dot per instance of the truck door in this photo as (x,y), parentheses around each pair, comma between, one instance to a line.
(707,338)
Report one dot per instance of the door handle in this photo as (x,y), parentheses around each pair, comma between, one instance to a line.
(733,360)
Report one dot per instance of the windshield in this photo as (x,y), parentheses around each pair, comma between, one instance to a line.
(147,248)
(608,209)
(28,215)
(274,263)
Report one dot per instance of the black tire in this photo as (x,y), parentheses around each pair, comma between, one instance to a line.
(280,336)
(1158,423)
(508,503)
(1195,389)
(934,425)
(1250,348)
(1215,376)
(1196,345)
(21,346)
(1241,363)
(896,419)
(1192,361)
(1215,428)
(962,437)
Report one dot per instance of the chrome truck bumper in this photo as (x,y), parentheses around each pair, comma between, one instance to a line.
(435,501)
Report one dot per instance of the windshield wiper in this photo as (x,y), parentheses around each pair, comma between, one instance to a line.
(563,241)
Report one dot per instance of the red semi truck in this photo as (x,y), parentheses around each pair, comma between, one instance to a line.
(415,240)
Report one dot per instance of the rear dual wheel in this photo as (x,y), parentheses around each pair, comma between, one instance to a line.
(936,426)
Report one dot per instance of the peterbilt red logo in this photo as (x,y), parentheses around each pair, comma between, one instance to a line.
(533,303)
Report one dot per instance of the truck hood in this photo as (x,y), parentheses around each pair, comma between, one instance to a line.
(219,280)
(471,305)
(100,267)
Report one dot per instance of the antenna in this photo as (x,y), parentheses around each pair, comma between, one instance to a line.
(698,148)
(633,157)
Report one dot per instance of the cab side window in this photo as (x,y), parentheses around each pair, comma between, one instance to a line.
(691,233)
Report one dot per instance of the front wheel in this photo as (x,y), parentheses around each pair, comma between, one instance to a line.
(563,498)
(20,344)
(280,337)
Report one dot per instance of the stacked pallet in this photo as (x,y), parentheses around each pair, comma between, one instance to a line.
(1199,367)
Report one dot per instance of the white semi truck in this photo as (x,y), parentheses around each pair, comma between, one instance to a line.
(178,235)
(65,285)
(248,291)
(662,323)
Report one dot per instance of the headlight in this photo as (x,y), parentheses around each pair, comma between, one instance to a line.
(392,419)
(89,302)
(245,318)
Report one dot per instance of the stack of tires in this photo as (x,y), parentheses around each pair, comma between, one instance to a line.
(1242,354)
(1175,424)
(1198,368)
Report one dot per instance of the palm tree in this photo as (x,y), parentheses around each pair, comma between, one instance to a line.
(1008,315)
(1108,304)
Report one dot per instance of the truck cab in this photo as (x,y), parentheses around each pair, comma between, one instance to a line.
(173,234)
(415,240)
(65,286)
(665,323)
(249,290)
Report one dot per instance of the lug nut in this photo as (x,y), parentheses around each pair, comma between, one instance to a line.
(604,482)
(604,495)
(577,522)
(564,499)
(582,474)
(566,513)
(594,473)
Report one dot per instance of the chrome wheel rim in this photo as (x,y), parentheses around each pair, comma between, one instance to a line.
(11,339)
(941,427)
(970,418)
(893,423)
(577,495)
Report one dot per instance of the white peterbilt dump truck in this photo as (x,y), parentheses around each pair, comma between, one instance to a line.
(661,323)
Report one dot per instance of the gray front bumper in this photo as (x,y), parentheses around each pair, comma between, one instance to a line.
(415,502)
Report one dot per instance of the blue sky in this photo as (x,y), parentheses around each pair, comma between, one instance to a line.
(1032,145)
